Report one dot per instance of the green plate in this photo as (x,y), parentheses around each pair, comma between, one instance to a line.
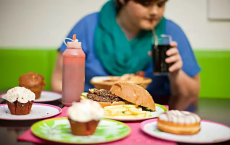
(58,130)
(162,107)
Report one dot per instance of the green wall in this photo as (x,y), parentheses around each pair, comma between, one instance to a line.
(15,62)
(215,73)
(215,77)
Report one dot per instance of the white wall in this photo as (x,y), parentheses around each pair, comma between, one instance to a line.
(191,15)
(44,23)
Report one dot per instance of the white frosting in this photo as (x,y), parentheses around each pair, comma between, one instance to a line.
(21,94)
(182,117)
(85,111)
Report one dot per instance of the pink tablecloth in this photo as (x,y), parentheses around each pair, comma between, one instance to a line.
(136,137)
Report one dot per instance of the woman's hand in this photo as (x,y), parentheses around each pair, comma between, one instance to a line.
(174,58)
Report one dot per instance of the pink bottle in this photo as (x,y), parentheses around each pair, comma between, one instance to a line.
(73,75)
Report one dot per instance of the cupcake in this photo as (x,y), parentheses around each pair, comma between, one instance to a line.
(33,81)
(19,100)
(84,117)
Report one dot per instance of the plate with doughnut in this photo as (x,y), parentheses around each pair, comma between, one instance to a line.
(186,127)
(125,102)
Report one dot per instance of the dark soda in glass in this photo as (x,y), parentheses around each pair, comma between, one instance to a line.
(159,56)
(160,45)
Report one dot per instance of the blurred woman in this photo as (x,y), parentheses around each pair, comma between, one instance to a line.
(117,40)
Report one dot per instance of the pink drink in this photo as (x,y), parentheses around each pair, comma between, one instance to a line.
(73,76)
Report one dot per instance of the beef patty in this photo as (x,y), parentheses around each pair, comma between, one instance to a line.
(103,96)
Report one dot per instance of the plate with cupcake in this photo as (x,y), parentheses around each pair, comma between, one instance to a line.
(126,102)
(84,125)
(186,127)
(36,83)
(46,96)
(20,106)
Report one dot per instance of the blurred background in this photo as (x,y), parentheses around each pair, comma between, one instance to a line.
(31,31)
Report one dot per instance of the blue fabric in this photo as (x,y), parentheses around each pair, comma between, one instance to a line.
(84,31)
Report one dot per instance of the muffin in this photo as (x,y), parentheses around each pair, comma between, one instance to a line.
(179,122)
(33,81)
(19,100)
(84,117)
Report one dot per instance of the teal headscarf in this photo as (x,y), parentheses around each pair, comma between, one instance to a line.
(117,54)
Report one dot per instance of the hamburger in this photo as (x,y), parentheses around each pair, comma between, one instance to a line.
(123,93)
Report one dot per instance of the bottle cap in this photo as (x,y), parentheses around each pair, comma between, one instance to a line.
(74,42)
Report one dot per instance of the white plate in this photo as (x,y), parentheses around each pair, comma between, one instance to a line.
(38,111)
(159,109)
(46,96)
(211,132)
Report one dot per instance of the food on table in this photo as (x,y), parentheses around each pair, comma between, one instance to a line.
(84,117)
(19,100)
(125,112)
(106,82)
(33,81)
(131,78)
(140,73)
(128,78)
(123,93)
(104,97)
(179,122)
